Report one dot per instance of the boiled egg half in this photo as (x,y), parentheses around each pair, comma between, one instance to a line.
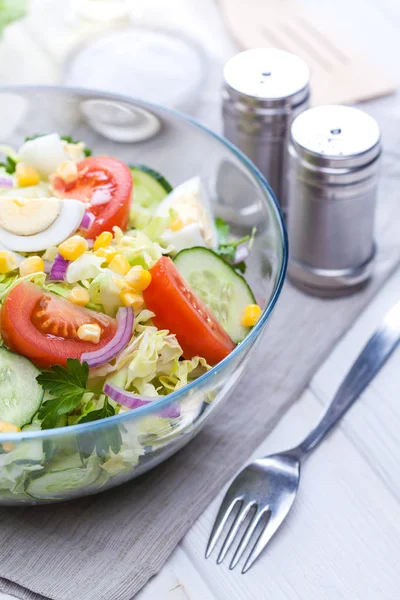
(34,224)
(46,152)
(192,208)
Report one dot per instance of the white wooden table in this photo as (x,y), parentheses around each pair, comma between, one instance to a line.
(342,541)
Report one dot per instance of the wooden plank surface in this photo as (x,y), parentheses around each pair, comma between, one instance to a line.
(342,541)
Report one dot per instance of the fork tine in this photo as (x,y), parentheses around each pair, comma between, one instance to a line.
(220,521)
(247,536)
(273,524)
(240,517)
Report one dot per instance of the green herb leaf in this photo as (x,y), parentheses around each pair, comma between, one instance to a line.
(9,165)
(67,385)
(102,413)
(103,440)
(222,230)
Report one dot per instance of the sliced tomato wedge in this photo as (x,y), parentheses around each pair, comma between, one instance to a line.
(180,311)
(105,185)
(43,327)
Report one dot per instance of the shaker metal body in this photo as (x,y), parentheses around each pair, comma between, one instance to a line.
(264,90)
(333,176)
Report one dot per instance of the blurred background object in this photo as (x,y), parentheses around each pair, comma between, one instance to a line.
(11,10)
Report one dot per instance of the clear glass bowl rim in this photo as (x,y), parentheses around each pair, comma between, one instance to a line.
(254,333)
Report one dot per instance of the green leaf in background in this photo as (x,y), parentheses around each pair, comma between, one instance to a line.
(222,230)
(11,10)
(9,165)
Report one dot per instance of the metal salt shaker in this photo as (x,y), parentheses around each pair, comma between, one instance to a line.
(333,176)
(264,90)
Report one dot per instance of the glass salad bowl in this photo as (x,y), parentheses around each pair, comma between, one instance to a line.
(39,466)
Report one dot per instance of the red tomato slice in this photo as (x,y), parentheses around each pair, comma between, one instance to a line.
(180,311)
(43,327)
(105,185)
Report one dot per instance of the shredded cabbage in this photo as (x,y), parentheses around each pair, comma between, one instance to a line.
(87,266)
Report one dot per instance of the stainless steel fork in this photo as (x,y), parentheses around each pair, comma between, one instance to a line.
(264,491)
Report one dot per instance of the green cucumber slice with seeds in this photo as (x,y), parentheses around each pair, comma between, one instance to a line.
(223,291)
(149,187)
(57,483)
(20,393)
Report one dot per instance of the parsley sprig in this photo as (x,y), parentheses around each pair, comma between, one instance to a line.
(67,385)
(9,165)
(101,440)
(227,250)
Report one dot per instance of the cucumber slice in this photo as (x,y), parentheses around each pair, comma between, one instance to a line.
(20,393)
(57,484)
(149,187)
(222,290)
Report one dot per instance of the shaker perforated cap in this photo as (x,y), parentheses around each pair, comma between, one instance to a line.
(336,136)
(268,74)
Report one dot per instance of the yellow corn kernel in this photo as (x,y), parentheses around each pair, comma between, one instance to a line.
(89,333)
(73,247)
(32,264)
(131,298)
(8,262)
(67,170)
(26,175)
(120,264)
(250,315)
(8,428)
(138,278)
(122,284)
(176,224)
(107,253)
(103,240)
(79,296)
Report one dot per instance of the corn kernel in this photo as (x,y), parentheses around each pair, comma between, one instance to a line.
(103,240)
(8,428)
(32,264)
(122,284)
(138,278)
(26,175)
(8,262)
(131,298)
(107,253)
(73,247)
(250,315)
(176,224)
(120,264)
(79,296)
(89,333)
(67,170)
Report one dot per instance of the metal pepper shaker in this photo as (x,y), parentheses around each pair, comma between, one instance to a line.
(264,90)
(332,188)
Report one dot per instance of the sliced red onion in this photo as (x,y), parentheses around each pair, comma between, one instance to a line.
(132,401)
(125,317)
(59,268)
(87,220)
(6,182)
(242,253)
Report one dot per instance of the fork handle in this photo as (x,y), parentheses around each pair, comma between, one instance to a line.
(371,359)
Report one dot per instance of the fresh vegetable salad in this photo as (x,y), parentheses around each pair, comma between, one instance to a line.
(115,289)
